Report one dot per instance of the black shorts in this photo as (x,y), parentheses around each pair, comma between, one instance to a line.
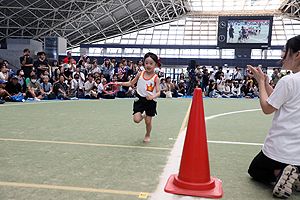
(141,104)
(262,168)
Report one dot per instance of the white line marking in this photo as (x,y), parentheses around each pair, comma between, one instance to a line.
(244,143)
(174,160)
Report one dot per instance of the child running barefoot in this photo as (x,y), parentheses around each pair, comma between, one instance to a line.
(148,89)
(279,159)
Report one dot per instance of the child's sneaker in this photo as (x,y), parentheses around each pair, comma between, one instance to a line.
(285,180)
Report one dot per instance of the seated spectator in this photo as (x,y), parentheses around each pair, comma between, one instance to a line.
(212,90)
(21,79)
(171,87)
(55,77)
(252,92)
(236,90)
(77,86)
(100,86)
(61,88)
(26,63)
(70,67)
(163,88)
(54,66)
(4,95)
(119,70)
(3,72)
(10,71)
(34,89)
(226,90)
(13,87)
(27,80)
(46,88)
(88,86)
(181,88)
(94,93)
(80,74)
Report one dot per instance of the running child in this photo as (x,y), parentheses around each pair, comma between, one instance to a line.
(148,89)
(279,159)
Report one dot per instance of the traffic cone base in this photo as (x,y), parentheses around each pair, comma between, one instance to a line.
(193,189)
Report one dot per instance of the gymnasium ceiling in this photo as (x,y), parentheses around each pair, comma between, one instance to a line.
(88,21)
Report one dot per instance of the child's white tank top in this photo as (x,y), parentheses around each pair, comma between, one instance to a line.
(146,86)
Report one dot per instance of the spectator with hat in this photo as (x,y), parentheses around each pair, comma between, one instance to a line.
(4,95)
(13,87)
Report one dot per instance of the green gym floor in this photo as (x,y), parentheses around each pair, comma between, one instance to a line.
(91,149)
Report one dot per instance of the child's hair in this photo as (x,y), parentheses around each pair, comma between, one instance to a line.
(154,57)
(293,45)
(94,87)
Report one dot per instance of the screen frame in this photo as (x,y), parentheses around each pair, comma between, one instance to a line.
(222,31)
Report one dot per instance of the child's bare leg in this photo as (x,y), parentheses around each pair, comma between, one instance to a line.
(138,117)
(148,123)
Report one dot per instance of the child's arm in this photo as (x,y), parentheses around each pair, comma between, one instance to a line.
(129,83)
(157,94)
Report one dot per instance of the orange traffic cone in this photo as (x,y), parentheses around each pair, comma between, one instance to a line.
(194,177)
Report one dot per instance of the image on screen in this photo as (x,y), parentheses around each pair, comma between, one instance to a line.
(248,31)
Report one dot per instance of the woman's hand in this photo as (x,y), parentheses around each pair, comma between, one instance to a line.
(258,74)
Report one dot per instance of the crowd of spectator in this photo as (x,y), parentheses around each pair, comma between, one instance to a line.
(42,79)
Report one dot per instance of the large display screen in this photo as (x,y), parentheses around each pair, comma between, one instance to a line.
(248,31)
(245,31)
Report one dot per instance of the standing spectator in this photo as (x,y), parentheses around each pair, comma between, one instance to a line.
(41,65)
(107,69)
(3,72)
(140,65)
(218,73)
(34,89)
(26,63)
(119,70)
(227,75)
(113,61)
(69,56)
(88,86)
(96,69)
